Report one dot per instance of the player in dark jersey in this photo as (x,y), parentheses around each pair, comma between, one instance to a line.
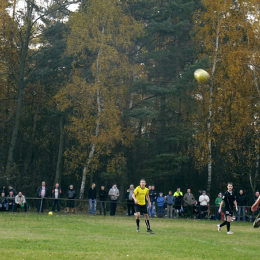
(229,198)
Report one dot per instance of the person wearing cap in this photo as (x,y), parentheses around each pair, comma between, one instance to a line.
(204,201)
(160,202)
(217,204)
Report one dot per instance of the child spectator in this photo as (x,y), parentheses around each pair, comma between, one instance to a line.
(71,194)
(3,202)
(217,204)
(11,201)
(170,201)
(20,202)
(160,202)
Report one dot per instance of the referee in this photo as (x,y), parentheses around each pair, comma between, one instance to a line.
(139,195)
(229,198)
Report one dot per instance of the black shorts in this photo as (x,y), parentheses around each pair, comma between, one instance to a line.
(141,208)
(228,213)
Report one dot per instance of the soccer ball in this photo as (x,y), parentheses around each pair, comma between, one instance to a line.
(50,213)
(201,75)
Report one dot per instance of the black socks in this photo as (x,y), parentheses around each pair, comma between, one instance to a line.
(137,222)
(228,226)
(147,223)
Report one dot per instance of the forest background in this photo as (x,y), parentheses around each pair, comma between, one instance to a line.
(104,92)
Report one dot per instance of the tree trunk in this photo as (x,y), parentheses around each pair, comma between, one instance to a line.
(93,148)
(61,147)
(210,107)
(20,84)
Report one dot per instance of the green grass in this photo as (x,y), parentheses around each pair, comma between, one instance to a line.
(32,236)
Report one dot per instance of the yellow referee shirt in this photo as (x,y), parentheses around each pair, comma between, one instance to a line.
(140,195)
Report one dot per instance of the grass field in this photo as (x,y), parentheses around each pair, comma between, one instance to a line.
(32,236)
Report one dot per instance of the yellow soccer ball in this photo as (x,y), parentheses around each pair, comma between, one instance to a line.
(50,213)
(201,75)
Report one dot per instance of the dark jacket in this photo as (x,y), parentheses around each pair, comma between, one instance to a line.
(13,190)
(59,193)
(127,196)
(10,199)
(3,190)
(71,194)
(103,195)
(92,193)
(152,195)
(39,190)
(241,200)
(2,200)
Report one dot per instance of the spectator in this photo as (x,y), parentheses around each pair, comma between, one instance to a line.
(92,199)
(10,188)
(3,190)
(3,202)
(254,200)
(114,194)
(178,202)
(204,200)
(241,203)
(103,197)
(56,194)
(20,202)
(160,202)
(189,201)
(147,204)
(11,201)
(217,203)
(169,199)
(42,192)
(152,195)
(130,200)
(71,195)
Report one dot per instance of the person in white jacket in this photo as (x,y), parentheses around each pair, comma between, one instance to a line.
(204,203)
(20,202)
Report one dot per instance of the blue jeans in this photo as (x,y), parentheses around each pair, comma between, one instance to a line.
(54,202)
(241,209)
(218,215)
(104,206)
(152,211)
(94,202)
(4,205)
(160,211)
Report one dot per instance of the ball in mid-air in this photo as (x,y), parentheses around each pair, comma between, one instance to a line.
(50,213)
(201,75)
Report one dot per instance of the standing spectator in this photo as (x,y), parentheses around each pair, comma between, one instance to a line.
(10,188)
(20,202)
(160,202)
(217,204)
(71,195)
(147,204)
(169,199)
(42,192)
(92,199)
(130,200)
(178,195)
(114,194)
(241,203)
(11,201)
(204,201)
(255,198)
(3,202)
(3,190)
(103,197)
(152,195)
(56,194)
(189,201)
